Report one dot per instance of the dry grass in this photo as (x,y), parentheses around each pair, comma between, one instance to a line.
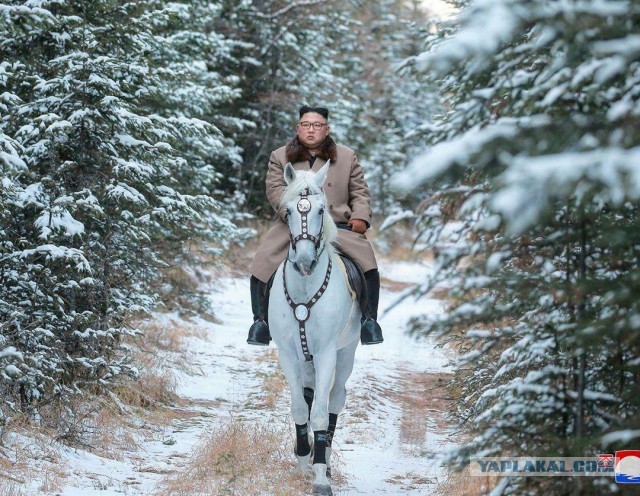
(425,400)
(274,383)
(398,245)
(152,395)
(463,484)
(169,337)
(240,457)
(111,426)
(154,389)
(32,466)
(409,481)
(138,410)
(112,434)
(184,285)
(152,398)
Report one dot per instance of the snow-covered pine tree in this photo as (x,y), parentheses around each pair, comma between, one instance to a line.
(393,100)
(89,189)
(306,52)
(537,163)
(200,67)
(11,165)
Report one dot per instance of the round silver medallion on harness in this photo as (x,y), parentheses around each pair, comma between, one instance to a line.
(301,312)
(304,205)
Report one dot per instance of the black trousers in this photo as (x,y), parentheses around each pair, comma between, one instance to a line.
(372,278)
(259,305)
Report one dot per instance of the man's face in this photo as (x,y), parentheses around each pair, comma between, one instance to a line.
(308,135)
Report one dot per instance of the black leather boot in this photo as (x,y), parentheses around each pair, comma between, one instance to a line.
(370,331)
(259,331)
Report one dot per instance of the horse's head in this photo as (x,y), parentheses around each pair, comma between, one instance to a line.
(311,228)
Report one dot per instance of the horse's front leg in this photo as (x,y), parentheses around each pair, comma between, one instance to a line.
(292,370)
(325,366)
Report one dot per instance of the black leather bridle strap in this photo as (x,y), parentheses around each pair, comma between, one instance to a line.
(304,205)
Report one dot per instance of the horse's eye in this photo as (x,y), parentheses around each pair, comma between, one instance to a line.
(288,213)
(321,211)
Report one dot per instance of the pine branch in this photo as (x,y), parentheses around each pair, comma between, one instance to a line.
(286,9)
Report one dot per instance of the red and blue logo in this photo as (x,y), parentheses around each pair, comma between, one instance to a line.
(627,466)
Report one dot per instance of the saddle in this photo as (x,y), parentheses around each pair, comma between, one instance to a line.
(355,279)
(357,283)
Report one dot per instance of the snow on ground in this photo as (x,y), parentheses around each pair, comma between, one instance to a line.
(387,459)
(387,437)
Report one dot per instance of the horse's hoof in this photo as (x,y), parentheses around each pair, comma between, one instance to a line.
(322,490)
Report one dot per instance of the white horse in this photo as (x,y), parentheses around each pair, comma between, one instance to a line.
(314,321)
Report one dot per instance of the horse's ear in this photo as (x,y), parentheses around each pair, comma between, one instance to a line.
(321,175)
(289,173)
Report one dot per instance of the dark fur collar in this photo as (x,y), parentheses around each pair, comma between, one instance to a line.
(296,152)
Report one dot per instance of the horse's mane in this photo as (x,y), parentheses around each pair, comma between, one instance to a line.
(304,180)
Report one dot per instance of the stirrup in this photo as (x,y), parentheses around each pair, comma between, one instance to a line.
(259,333)
(370,332)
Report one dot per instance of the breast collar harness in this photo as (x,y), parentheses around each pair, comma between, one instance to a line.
(302,311)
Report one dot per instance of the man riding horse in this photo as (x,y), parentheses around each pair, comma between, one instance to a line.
(348,196)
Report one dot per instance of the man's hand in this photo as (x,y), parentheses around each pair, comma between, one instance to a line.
(358,226)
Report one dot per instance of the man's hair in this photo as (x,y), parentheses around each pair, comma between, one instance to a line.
(305,109)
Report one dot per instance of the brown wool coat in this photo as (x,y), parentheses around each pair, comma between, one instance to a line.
(347,195)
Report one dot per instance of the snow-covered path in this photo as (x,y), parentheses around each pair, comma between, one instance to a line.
(391,422)
(391,425)
(403,424)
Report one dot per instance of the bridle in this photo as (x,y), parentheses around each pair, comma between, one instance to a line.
(302,311)
(304,206)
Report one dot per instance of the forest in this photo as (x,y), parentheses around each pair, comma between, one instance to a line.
(504,136)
